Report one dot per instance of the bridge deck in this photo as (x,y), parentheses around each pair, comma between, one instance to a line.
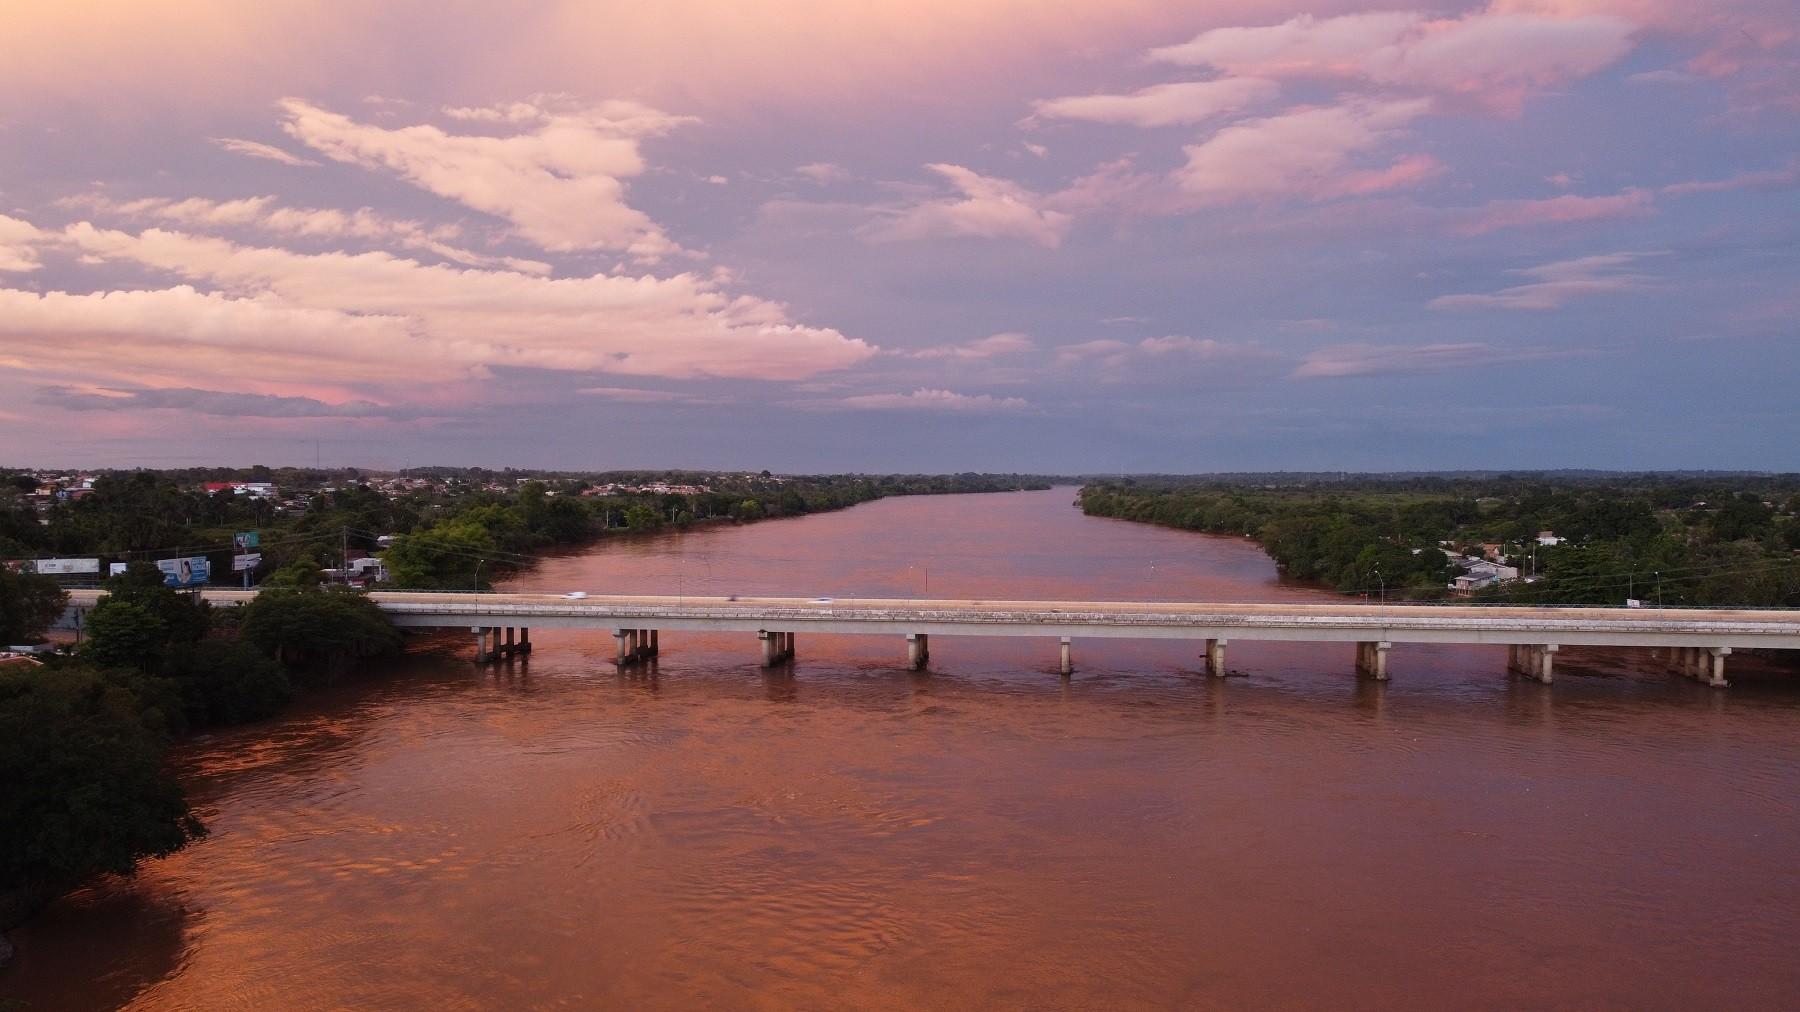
(1346,621)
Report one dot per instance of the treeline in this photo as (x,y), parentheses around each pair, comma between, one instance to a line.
(465,528)
(1677,540)
(83,738)
(465,547)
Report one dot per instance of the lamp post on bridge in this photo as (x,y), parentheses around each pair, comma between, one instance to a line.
(478,563)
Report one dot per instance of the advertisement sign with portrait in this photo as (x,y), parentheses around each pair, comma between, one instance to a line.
(192,572)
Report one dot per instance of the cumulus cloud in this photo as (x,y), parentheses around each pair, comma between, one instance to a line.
(1556,284)
(264,214)
(257,149)
(1161,105)
(992,346)
(823,173)
(280,322)
(19,241)
(1495,58)
(1395,359)
(178,335)
(560,179)
(1305,152)
(927,399)
(987,208)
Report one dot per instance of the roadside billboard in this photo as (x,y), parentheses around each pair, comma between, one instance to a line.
(192,572)
(117,568)
(241,563)
(246,539)
(66,567)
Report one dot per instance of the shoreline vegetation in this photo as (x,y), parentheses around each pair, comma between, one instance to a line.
(1542,538)
(84,737)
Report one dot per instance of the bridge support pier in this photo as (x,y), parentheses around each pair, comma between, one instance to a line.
(524,639)
(481,643)
(1371,659)
(776,647)
(654,647)
(1705,665)
(918,651)
(1068,666)
(635,645)
(1215,658)
(1533,660)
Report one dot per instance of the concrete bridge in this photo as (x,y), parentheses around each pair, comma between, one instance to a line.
(1694,642)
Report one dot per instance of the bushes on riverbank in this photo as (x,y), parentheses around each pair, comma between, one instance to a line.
(1660,538)
(83,739)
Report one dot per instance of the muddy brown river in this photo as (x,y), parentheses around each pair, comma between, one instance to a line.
(841,833)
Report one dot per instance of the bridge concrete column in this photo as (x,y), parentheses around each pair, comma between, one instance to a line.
(1068,667)
(511,648)
(524,639)
(918,651)
(787,646)
(1712,666)
(770,648)
(623,638)
(1371,659)
(481,643)
(655,647)
(1215,658)
(1538,661)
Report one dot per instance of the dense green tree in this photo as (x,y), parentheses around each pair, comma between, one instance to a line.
(223,682)
(28,604)
(315,630)
(86,790)
(125,634)
(140,621)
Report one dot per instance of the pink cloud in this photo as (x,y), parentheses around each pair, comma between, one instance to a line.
(264,214)
(377,318)
(994,346)
(988,208)
(1569,207)
(1495,58)
(1774,179)
(560,182)
(1556,284)
(257,149)
(1390,359)
(1184,102)
(823,173)
(927,399)
(19,242)
(1304,152)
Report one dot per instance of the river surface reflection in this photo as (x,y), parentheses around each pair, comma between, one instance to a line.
(842,833)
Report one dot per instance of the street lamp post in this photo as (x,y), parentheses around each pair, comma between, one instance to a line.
(1382,583)
(478,563)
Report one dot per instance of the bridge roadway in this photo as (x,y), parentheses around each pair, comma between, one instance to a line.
(1694,642)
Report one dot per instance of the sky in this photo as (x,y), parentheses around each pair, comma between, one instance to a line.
(1066,236)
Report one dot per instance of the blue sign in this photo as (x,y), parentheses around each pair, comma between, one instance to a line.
(246,539)
(194,572)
